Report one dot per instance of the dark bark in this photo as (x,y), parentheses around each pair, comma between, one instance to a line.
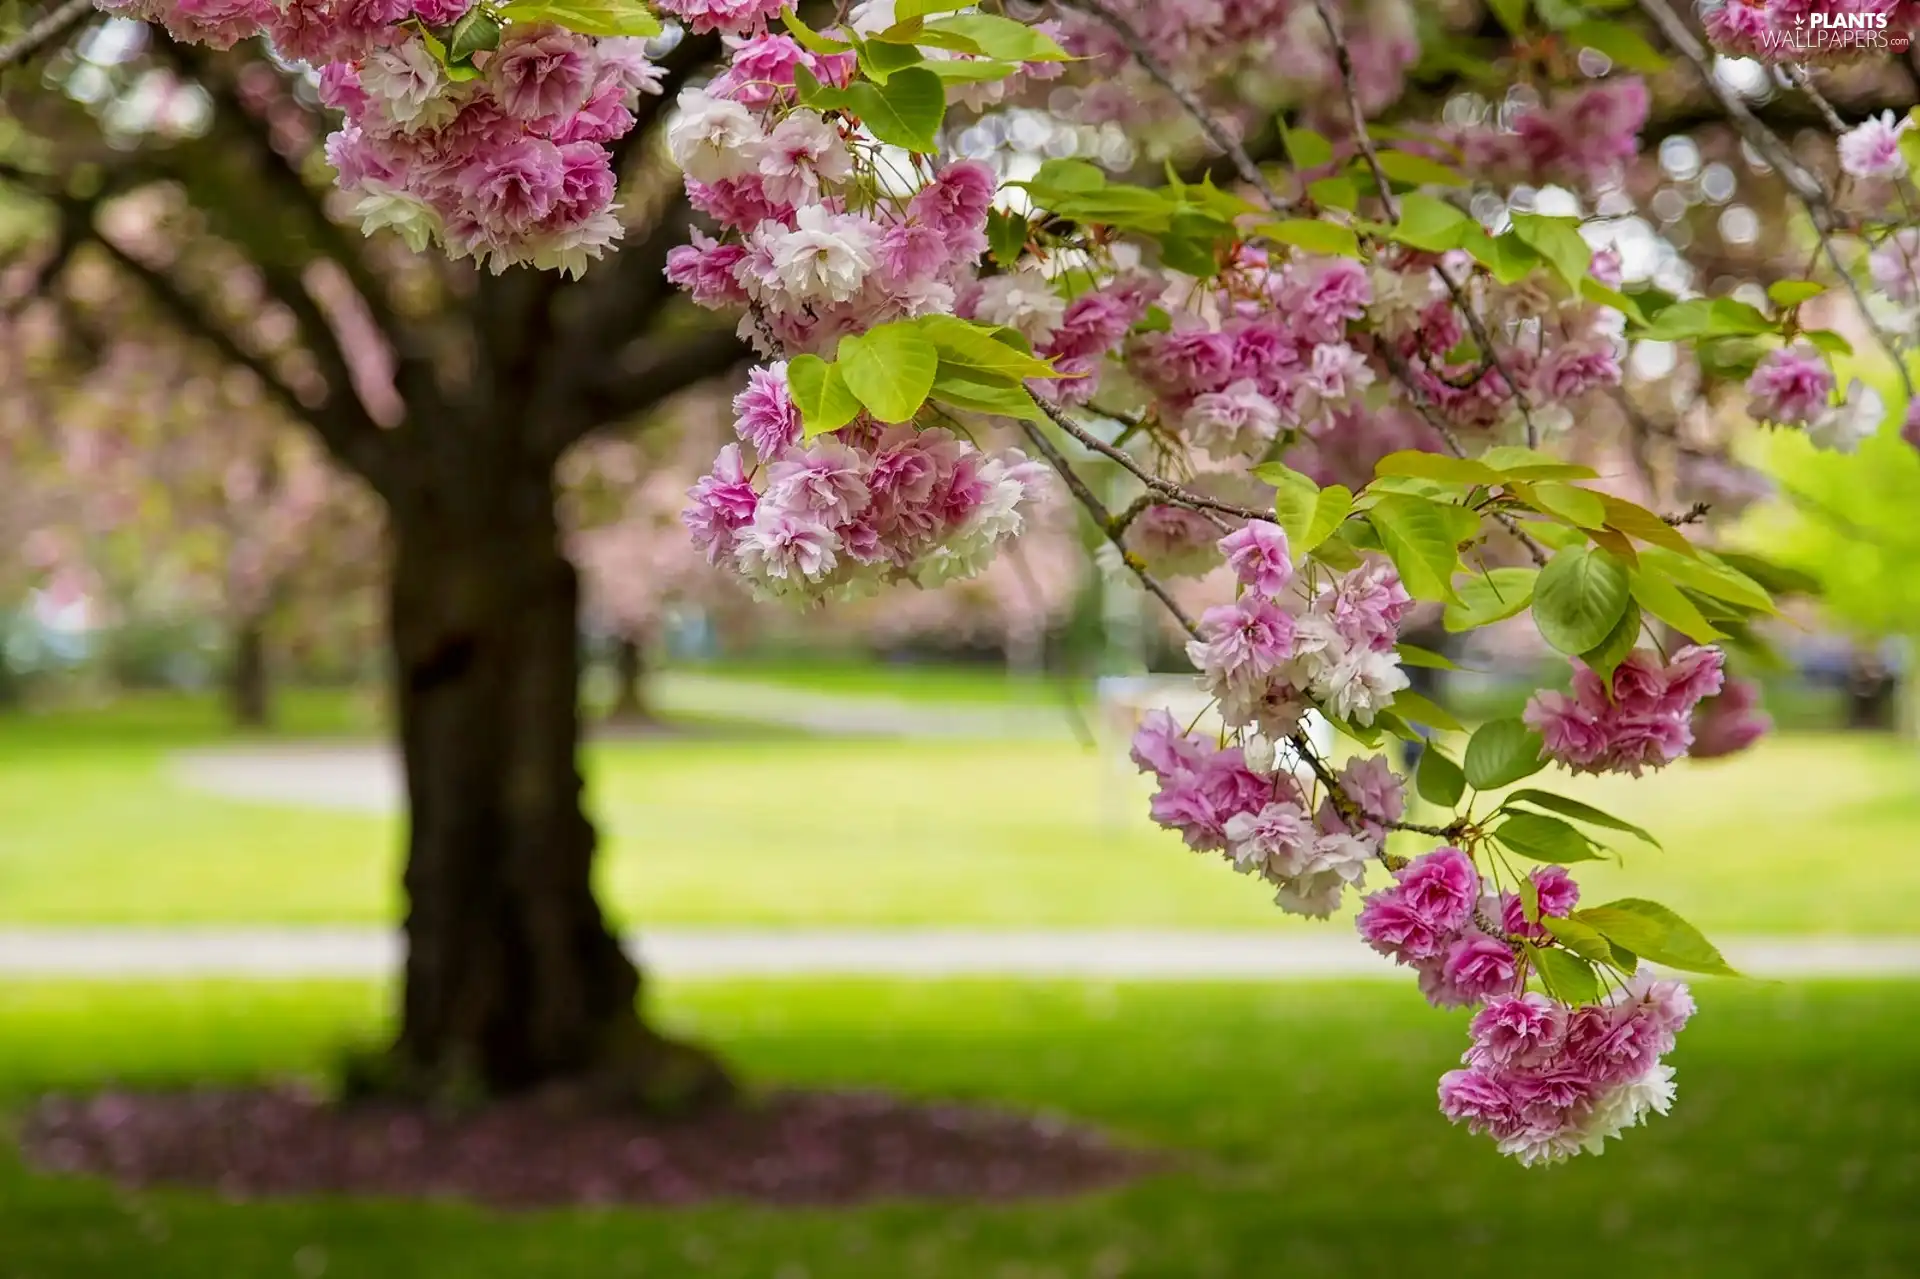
(630,682)
(514,981)
(249,682)
(1872,694)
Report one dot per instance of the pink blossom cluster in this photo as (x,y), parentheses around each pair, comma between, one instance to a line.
(1547,1081)
(1221,800)
(508,166)
(1276,46)
(1729,722)
(1429,919)
(1285,645)
(1582,138)
(1806,30)
(1645,722)
(847,512)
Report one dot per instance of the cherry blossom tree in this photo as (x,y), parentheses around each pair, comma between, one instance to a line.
(1374,356)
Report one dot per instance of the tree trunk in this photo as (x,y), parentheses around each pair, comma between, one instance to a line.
(630,675)
(514,981)
(248,684)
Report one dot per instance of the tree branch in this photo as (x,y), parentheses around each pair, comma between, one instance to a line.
(50,27)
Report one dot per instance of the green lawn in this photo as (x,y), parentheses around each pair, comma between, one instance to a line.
(1807,834)
(1302,1116)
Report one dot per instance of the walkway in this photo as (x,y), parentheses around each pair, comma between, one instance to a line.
(277,953)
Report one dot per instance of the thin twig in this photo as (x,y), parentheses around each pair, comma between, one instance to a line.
(1150,63)
(1167,489)
(1803,79)
(1692,515)
(51,26)
(1490,354)
(1805,184)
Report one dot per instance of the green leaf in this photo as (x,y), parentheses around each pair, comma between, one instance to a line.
(1567,977)
(1438,779)
(1580,939)
(1707,318)
(1578,811)
(1511,13)
(969,70)
(1625,46)
(1558,240)
(1544,839)
(821,395)
(1414,655)
(1579,598)
(1422,710)
(587,17)
(1667,602)
(890,369)
(1826,340)
(1706,574)
(1429,223)
(474,31)
(880,60)
(1606,656)
(1438,466)
(1793,292)
(1594,291)
(1655,933)
(1515,462)
(1313,235)
(1068,175)
(1190,256)
(1307,149)
(1338,554)
(1489,597)
(1418,170)
(1501,752)
(1639,522)
(972,349)
(906,112)
(1334,193)
(1006,235)
(1580,507)
(990,36)
(1423,538)
(953,388)
(1775,579)
(807,38)
(1296,498)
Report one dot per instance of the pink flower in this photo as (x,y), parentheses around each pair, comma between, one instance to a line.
(1321,296)
(1373,787)
(586,185)
(1242,642)
(1258,555)
(1388,924)
(955,202)
(1094,322)
(1480,1100)
(1791,385)
(723,15)
(912,251)
(719,505)
(513,188)
(603,118)
(1729,723)
(1871,149)
(1571,369)
(704,267)
(1517,1030)
(440,13)
(1368,605)
(825,481)
(340,89)
(1188,360)
(765,414)
(1441,886)
(1474,967)
(541,73)
(1163,748)
(1644,725)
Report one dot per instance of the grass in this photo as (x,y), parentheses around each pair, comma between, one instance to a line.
(1302,1116)
(931,682)
(1809,834)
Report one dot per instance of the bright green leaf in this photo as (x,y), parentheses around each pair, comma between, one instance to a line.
(1655,933)
(1314,235)
(1794,292)
(890,369)
(1567,977)
(821,395)
(587,17)
(1667,602)
(972,350)
(1501,752)
(953,388)
(1417,709)
(1544,839)
(1578,811)
(807,38)
(1414,655)
(1579,598)
(1706,574)
(1418,170)
(906,112)
(474,31)
(1429,223)
(1515,462)
(1488,597)
(1438,779)
(1580,939)
(1559,241)
(1423,538)
(1438,466)
(1006,235)
(1625,46)
(991,36)
(1580,507)
(1307,149)
(1605,657)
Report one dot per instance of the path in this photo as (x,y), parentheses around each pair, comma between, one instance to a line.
(277,953)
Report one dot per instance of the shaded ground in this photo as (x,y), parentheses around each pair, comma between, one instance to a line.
(1300,1120)
(787,1148)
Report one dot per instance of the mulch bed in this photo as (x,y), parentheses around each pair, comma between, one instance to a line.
(793,1148)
